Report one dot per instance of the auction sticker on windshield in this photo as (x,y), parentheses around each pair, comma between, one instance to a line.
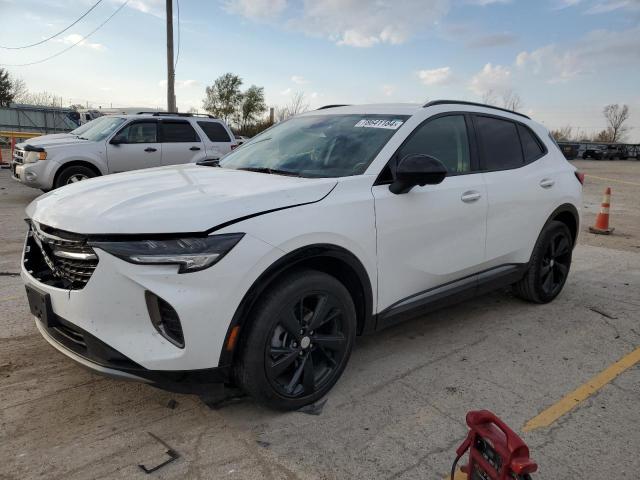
(378,123)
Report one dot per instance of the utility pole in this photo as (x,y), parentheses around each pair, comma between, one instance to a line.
(171,74)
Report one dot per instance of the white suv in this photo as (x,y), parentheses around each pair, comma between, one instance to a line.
(335,223)
(119,143)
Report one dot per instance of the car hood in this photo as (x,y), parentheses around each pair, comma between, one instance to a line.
(175,199)
(57,142)
(43,139)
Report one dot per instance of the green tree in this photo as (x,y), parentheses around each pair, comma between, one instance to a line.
(253,105)
(6,88)
(223,97)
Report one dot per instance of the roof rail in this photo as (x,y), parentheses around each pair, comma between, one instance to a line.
(334,106)
(176,114)
(462,102)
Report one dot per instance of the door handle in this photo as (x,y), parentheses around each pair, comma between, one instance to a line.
(470,196)
(547,183)
(194,148)
(150,149)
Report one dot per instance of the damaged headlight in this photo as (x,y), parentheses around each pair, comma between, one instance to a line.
(191,254)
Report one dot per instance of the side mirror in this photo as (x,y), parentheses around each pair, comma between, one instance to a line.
(116,140)
(417,169)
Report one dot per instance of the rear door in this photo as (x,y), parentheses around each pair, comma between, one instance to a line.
(180,143)
(218,138)
(135,146)
(521,177)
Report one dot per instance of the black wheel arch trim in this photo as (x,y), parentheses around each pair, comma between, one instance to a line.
(564,208)
(289,262)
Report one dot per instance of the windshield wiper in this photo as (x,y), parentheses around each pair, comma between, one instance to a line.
(272,171)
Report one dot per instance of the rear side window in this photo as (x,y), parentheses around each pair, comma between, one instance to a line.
(176,132)
(444,138)
(499,143)
(530,145)
(215,131)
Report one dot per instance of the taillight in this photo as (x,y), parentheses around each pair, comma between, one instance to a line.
(580,177)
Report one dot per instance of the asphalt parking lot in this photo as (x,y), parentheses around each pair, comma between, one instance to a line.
(398,411)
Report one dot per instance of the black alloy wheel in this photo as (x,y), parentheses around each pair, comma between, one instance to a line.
(549,265)
(298,340)
(307,345)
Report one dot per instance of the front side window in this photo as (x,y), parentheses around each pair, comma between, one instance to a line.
(499,143)
(101,130)
(317,146)
(444,138)
(138,132)
(178,132)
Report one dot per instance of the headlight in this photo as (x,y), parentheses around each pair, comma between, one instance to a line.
(191,254)
(31,156)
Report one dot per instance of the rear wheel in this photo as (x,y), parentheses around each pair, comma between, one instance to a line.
(300,341)
(549,266)
(73,174)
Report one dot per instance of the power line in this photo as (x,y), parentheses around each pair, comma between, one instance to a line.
(178,50)
(55,35)
(71,46)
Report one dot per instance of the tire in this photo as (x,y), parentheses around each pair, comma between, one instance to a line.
(549,266)
(73,174)
(284,368)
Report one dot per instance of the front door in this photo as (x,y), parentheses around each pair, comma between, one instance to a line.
(135,146)
(435,234)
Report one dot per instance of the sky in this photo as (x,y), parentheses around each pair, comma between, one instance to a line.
(566,59)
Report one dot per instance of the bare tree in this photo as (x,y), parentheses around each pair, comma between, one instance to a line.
(563,134)
(616,117)
(20,90)
(298,104)
(489,97)
(511,100)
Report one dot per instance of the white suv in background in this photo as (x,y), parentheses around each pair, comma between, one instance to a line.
(119,143)
(333,224)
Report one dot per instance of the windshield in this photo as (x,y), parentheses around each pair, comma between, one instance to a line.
(83,128)
(317,146)
(101,130)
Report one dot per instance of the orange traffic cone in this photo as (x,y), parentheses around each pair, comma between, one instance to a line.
(602,219)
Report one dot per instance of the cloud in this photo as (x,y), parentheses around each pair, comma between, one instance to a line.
(256,9)
(493,40)
(299,80)
(75,38)
(595,51)
(491,77)
(286,91)
(437,76)
(351,23)
(151,7)
(607,6)
(388,90)
(484,3)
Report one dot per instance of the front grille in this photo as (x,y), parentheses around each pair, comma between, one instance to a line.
(18,156)
(58,258)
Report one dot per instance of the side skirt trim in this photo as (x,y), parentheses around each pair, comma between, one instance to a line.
(450,293)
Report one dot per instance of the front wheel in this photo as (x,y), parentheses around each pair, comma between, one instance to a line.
(549,265)
(301,337)
(73,174)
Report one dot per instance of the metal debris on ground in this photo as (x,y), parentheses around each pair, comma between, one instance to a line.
(603,313)
(173,455)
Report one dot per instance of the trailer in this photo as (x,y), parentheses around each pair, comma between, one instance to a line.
(42,120)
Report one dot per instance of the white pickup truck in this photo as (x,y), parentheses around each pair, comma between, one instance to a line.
(119,143)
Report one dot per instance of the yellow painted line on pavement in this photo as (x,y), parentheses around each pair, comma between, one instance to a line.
(457,476)
(6,299)
(573,399)
(612,180)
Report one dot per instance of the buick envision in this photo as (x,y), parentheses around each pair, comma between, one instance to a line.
(262,270)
